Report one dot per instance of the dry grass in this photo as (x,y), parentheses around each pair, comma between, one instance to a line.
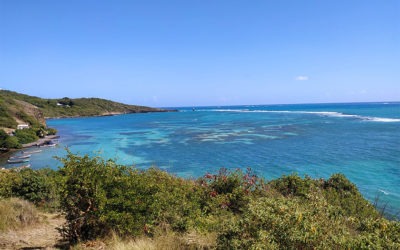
(16,214)
(23,226)
(170,241)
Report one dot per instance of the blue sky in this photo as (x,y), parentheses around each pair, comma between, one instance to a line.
(200,52)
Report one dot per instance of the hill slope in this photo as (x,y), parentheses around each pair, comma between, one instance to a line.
(18,108)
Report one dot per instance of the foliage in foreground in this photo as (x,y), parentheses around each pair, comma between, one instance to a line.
(226,210)
(39,187)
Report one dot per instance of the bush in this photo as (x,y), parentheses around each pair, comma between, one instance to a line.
(99,196)
(7,141)
(37,186)
(281,223)
(343,194)
(51,131)
(11,142)
(230,189)
(26,135)
(293,185)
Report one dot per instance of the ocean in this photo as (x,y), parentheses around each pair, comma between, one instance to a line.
(360,140)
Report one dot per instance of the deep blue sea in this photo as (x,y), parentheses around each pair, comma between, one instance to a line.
(361,140)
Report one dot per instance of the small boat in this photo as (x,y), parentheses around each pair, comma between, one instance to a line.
(20,157)
(31,152)
(17,161)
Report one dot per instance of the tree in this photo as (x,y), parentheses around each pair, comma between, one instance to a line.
(7,141)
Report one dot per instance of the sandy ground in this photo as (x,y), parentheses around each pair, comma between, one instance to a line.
(44,235)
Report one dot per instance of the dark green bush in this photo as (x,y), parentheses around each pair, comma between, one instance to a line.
(51,131)
(293,185)
(26,135)
(37,186)
(343,194)
(7,141)
(99,196)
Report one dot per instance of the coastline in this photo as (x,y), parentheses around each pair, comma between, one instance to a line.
(41,141)
(112,114)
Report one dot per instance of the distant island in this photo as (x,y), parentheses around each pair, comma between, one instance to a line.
(23,116)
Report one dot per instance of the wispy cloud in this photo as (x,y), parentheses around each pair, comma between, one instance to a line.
(301,78)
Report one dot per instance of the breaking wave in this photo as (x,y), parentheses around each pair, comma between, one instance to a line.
(320,113)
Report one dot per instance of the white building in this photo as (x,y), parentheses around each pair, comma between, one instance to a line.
(22,126)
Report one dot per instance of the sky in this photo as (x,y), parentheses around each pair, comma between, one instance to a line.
(202,52)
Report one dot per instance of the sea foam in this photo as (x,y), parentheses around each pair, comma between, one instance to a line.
(321,113)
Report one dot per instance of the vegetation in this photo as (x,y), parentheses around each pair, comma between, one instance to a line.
(16,213)
(228,210)
(22,136)
(7,141)
(37,186)
(66,107)
(16,108)
(6,119)
(26,135)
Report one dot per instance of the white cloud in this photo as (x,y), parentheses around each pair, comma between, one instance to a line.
(301,78)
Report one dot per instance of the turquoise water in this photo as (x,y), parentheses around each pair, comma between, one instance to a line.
(360,140)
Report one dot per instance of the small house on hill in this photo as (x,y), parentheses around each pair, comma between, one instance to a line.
(22,126)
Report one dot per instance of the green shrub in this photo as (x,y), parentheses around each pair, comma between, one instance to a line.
(51,131)
(282,223)
(340,192)
(99,196)
(26,135)
(11,142)
(37,186)
(230,189)
(293,185)
(7,182)
(7,141)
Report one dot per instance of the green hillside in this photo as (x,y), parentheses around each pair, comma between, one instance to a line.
(17,108)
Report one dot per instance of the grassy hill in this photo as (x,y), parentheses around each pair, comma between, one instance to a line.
(16,108)
(20,108)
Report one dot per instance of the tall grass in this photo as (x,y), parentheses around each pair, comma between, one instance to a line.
(167,241)
(16,213)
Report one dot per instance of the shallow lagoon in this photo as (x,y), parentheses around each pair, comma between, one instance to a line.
(359,140)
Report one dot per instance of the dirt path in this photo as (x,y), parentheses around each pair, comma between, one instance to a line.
(44,235)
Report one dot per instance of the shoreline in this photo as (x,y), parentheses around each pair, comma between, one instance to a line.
(41,141)
(5,155)
(112,114)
